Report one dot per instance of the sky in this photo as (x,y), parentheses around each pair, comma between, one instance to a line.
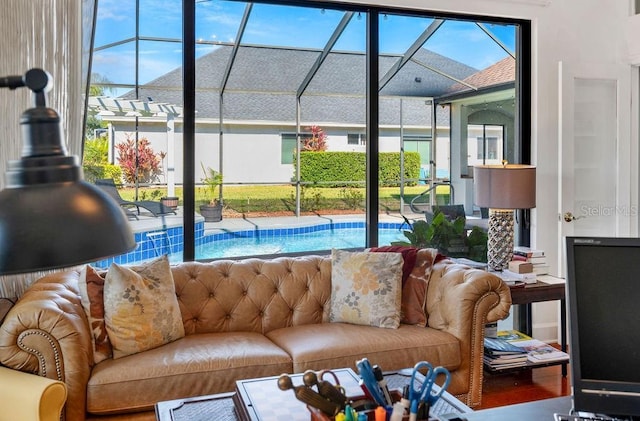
(218,21)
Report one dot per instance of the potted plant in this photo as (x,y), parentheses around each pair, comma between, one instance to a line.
(449,237)
(170,201)
(211,211)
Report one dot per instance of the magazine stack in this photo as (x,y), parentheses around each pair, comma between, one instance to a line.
(500,354)
(512,349)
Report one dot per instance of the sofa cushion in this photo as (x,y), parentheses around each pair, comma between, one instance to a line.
(195,365)
(141,308)
(415,281)
(335,345)
(366,288)
(91,286)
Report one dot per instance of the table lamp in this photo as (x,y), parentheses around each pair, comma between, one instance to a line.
(49,216)
(502,189)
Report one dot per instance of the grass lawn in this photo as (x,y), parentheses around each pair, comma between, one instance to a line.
(281,198)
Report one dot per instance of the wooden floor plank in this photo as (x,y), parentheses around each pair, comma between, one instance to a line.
(524,386)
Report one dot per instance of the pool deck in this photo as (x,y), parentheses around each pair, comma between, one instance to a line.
(147,222)
(164,234)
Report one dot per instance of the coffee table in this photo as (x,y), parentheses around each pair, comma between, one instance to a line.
(261,400)
(199,408)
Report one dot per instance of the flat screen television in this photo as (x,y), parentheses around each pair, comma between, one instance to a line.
(603,291)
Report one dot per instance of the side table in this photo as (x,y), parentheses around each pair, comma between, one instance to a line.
(547,288)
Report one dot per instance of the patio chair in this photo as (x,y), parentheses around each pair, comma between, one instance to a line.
(156,208)
(452,212)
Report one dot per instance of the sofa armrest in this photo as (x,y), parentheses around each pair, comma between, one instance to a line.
(47,333)
(28,397)
(460,301)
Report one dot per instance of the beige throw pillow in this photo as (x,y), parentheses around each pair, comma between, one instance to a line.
(366,288)
(141,308)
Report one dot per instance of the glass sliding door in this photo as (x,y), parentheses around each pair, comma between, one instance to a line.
(134,120)
(279,90)
(445,80)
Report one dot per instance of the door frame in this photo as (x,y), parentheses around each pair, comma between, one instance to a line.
(626,175)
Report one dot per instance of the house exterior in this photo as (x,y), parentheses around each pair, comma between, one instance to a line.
(260,115)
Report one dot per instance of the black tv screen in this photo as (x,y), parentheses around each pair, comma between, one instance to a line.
(603,291)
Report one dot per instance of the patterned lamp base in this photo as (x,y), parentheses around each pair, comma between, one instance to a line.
(500,239)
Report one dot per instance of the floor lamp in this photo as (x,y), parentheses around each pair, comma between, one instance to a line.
(502,189)
(49,216)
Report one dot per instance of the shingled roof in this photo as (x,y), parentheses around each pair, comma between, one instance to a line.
(264,80)
(500,73)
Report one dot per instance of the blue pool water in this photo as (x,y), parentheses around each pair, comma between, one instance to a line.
(272,244)
(254,242)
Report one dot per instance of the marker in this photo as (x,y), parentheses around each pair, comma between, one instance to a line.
(381,414)
(349,413)
(377,371)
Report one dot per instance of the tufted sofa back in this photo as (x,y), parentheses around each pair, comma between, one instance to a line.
(253,294)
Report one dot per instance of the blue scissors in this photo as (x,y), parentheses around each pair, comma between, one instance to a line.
(420,387)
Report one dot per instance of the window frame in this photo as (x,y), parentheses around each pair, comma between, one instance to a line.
(372,13)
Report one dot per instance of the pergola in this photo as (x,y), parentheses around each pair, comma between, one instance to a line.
(104,106)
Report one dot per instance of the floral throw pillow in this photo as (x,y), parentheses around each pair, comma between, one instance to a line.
(141,308)
(91,286)
(366,288)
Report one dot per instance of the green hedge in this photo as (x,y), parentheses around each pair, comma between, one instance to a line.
(96,172)
(348,169)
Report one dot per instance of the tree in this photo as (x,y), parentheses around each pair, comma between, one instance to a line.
(95,162)
(317,142)
(98,82)
(148,167)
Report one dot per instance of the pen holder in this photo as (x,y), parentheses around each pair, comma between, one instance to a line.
(396,396)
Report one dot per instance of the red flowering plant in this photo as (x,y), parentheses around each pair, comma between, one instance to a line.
(317,142)
(149,163)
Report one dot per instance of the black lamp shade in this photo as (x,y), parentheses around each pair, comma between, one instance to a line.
(49,217)
(57,225)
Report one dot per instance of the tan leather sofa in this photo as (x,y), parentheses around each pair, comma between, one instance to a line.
(246,319)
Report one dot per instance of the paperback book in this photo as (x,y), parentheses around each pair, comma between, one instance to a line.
(540,352)
(527,252)
(500,364)
(496,347)
(513,335)
(510,277)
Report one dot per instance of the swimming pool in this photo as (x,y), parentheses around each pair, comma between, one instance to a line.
(262,241)
(326,239)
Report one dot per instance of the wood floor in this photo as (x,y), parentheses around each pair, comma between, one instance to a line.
(524,386)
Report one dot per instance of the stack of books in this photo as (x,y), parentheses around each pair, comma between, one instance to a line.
(500,354)
(512,348)
(534,256)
